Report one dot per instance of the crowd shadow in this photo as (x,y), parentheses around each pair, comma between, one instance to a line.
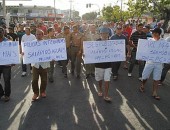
(73,104)
(20,88)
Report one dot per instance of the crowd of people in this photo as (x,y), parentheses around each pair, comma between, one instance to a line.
(75,33)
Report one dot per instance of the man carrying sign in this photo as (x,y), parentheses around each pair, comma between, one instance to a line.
(6,71)
(91,36)
(154,67)
(118,36)
(103,70)
(39,69)
(76,50)
(139,34)
(50,35)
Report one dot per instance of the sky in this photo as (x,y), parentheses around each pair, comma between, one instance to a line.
(79,5)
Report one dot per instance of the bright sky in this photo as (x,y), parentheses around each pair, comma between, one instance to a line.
(79,5)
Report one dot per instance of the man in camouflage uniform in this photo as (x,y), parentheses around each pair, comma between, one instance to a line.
(66,34)
(76,50)
(92,35)
(50,35)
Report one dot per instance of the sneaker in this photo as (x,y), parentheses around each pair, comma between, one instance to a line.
(72,72)
(140,79)
(2,97)
(35,96)
(6,99)
(43,95)
(51,80)
(93,75)
(114,77)
(129,74)
(78,76)
(65,76)
(87,76)
(23,74)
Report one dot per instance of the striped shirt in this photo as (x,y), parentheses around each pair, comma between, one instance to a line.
(136,36)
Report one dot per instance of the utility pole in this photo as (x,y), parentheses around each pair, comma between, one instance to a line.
(70,8)
(121,10)
(54,11)
(4,8)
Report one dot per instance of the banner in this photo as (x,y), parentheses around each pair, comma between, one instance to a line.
(104,51)
(44,50)
(9,53)
(155,51)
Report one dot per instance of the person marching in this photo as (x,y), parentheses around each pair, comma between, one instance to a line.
(39,69)
(154,67)
(103,70)
(66,34)
(50,35)
(5,70)
(91,36)
(118,36)
(76,50)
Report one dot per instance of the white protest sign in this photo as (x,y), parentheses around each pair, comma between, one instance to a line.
(44,50)
(155,51)
(9,53)
(104,51)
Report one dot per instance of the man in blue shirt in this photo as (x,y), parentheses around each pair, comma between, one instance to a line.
(118,36)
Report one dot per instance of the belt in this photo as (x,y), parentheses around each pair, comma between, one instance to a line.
(74,46)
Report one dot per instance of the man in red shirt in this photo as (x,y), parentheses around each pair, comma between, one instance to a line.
(42,27)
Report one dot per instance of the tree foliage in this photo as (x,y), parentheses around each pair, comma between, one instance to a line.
(89,16)
(114,13)
(159,9)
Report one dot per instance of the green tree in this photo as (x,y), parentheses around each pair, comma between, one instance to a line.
(107,13)
(89,16)
(159,9)
(114,13)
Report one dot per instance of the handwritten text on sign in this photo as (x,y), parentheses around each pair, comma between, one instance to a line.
(155,51)
(9,53)
(45,50)
(104,51)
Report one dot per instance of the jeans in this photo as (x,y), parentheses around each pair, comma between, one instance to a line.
(24,67)
(65,62)
(51,70)
(6,71)
(165,71)
(35,77)
(132,63)
(76,59)
(115,68)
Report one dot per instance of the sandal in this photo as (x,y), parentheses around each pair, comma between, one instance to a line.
(156,97)
(107,99)
(141,89)
(100,94)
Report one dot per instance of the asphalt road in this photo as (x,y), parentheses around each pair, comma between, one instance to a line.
(73,104)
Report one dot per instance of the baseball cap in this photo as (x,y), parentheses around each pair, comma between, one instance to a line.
(104,30)
(147,26)
(157,30)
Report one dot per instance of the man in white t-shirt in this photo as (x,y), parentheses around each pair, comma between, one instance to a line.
(153,67)
(26,38)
